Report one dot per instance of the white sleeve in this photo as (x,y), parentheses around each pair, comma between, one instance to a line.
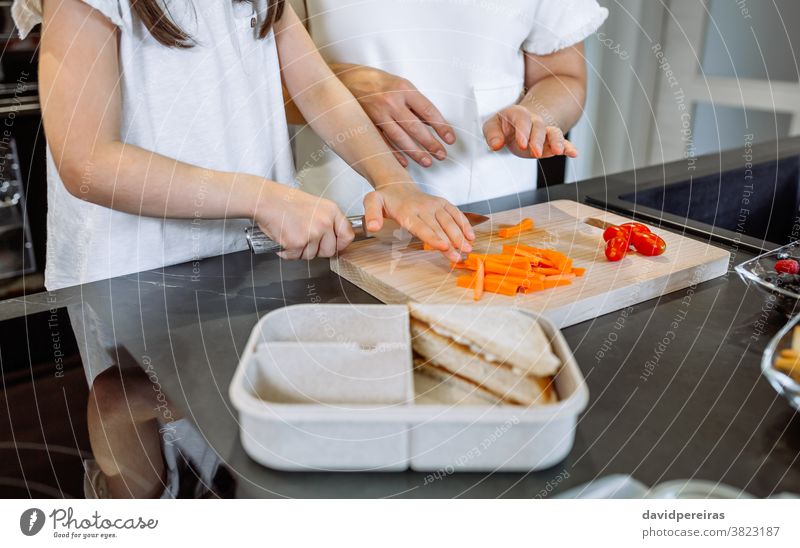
(28,13)
(558,25)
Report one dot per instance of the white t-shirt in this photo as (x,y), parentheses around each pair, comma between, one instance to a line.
(466,56)
(217,105)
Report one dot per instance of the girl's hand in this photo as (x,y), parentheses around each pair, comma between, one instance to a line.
(433,220)
(526,134)
(305,225)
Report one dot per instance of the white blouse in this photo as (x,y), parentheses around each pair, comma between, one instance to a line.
(466,56)
(217,105)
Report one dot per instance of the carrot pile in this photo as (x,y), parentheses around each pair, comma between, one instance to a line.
(519,268)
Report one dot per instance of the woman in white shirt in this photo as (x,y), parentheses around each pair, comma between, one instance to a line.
(167,136)
(470,91)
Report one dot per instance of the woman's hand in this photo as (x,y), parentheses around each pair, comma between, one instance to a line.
(433,220)
(401,112)
(526,134)
(305,225)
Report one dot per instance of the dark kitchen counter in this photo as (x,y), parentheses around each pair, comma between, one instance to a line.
(704,412)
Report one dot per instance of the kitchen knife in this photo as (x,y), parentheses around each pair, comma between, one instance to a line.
(261,243)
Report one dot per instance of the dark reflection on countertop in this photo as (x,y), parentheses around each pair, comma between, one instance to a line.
(700,410)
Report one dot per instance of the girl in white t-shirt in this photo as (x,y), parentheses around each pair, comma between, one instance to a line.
(167,135)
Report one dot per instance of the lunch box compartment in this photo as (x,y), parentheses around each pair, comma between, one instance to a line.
(331,387)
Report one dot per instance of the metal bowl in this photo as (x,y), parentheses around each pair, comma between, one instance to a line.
(785,385)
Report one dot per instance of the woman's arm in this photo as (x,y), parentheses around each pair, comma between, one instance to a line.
(79,78)
(556,92)
(336,116)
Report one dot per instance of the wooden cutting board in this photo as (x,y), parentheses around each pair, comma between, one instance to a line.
(398,270)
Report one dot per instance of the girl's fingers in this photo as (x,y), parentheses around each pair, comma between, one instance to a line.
(453,231)
(373,211)
(424,232)
(311,250)
(433,223)
(461,220)
(328,245)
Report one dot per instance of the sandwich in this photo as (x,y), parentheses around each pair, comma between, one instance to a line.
(497,356)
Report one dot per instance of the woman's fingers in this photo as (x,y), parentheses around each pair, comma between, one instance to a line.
(493,133)
(420,133)
(430,115)
(555,138)
(401,140)
(538,136)
(569,149)
(399,156)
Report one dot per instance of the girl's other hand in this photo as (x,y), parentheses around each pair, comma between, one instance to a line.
(433,220)
(306,226)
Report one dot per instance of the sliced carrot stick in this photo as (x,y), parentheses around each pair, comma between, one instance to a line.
(522,226)
(546,271)
(569,276)
(533,288)
(551,283)
(503,288)
(519,282)
(579,271)
(467,281)
(462,265)
(479,275)
(499,268)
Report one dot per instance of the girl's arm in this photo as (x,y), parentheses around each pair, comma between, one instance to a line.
(79,77)
(338,118)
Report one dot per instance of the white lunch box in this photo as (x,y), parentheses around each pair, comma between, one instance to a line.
(331,387)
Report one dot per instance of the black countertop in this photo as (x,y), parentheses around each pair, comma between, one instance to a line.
(704,412)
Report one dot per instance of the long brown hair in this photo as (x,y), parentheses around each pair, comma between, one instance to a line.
(168,33)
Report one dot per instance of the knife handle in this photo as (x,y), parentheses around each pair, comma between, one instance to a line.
(259,243)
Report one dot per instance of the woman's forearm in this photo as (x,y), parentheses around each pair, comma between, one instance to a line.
(330,109)
(558,100)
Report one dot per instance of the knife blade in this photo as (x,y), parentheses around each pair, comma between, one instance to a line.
(259,243)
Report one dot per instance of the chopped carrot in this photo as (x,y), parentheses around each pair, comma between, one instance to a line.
(561,277)
(500,268)
(550,283)
(522,226)
(533,288)
(428,247)
(479,275)
(503,288)
(467,281)
(547,271)
(518,268)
